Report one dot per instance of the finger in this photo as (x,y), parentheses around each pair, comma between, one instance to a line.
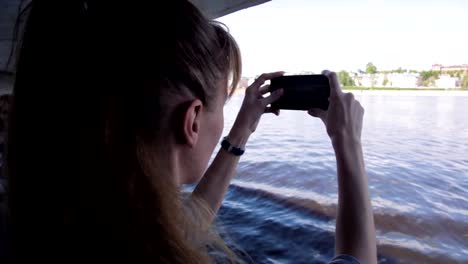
(360,107)
(255,86)
(264,89)
(265,77)
(350,96)
(273,97)
(317,112)
(335,88)
(275,111)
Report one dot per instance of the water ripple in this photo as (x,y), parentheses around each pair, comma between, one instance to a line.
(415,151)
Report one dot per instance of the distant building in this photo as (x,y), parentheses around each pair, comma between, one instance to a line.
(445,81)
(396,80)
(403,80)
(440,67)
(436,67)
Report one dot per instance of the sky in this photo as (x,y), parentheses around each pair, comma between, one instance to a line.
(312,35)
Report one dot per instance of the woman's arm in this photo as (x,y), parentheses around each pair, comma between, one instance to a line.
(214,184)
(355,231)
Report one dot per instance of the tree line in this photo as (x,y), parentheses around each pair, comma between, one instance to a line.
(426,78)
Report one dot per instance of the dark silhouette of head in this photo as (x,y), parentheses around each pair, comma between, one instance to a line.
(106,95)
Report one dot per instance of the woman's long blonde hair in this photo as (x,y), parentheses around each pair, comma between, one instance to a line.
(98,85)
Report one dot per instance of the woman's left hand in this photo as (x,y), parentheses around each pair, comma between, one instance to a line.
(253,107)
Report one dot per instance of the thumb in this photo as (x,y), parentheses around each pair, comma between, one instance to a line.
(316,112)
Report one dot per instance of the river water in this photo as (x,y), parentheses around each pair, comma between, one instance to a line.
(280,207)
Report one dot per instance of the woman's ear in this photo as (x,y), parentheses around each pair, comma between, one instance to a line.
(191,122)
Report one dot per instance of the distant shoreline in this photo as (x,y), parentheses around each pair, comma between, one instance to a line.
(396,91)
(409,92)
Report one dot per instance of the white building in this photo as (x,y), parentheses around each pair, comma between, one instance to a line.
(403,80)
(445,81)
(397,80)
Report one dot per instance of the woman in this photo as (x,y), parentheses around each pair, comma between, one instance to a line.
(115,107)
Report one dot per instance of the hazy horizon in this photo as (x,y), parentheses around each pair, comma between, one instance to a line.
(295,35)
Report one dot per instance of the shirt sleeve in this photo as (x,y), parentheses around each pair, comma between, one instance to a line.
(344,259)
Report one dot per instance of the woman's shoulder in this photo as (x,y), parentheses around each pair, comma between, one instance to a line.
(344,259)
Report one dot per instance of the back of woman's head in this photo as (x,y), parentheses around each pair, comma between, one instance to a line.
(97,88)
(4,111)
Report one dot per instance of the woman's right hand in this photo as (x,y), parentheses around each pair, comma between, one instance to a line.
(343,119)
(355,229)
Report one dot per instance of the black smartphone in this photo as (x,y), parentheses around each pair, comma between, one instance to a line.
(301,92)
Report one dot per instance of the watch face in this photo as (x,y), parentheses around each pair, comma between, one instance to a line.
(230,148)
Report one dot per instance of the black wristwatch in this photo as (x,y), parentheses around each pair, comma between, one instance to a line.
(226,145)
